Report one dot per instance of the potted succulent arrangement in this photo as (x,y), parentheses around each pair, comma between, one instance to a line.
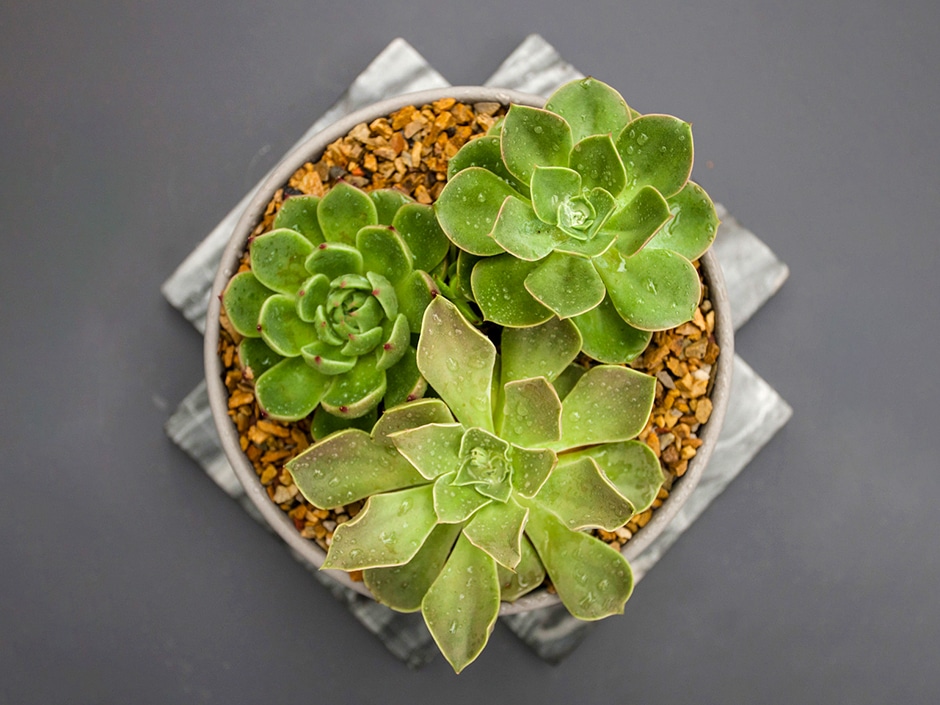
(463,366)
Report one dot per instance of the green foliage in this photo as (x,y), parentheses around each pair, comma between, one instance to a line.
(475,496)
(334,294)
(583,210)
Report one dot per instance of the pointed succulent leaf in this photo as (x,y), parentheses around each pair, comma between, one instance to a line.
(579,494)
(455,504)
(531,413)
(566,284)
(388,531)
(361,343)
(327,359)
(499,289)
(383,293)
(242,300)
(485,464)
(403,587)
(343,211)
(388,201)
(693,225)
(457,361)
(434,449)
(632,467)
(596,159)
(300,213)
(349,466)
(397,342)
(653,290)
(530,469)
(497,530)
(544,350)
(550,186)
(462,604)
(467,209)
(290,390)
(607,337)
(657,151)
(384,252)
(565,382)
(528,575)
(403,381)
(592,579)
(461,281)
(520,232)
(281,327)
(484,152)
(414,294)
(410,415)
(355,392)
(324,330)
(590,107)
(324,423)
(418,227)
(277,260)
(595,240)
(533,137)
(255,355)
(608,404)
(334,259)
(637,221)
(312,293)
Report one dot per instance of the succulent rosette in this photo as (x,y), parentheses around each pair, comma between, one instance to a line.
(329,306)
(582,210)
(474,496)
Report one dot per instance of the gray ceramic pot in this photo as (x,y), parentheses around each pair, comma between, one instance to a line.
(218,396)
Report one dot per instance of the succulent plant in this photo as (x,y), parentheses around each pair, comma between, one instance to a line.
(584,210)
(329,306)
(474,496)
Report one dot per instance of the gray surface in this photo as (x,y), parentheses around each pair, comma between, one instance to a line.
(126,134)
(750,271)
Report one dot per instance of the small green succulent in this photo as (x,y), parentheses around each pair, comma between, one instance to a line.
(584,210)
(474,496)
(333,296)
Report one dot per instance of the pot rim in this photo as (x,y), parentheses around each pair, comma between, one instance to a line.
(309,150)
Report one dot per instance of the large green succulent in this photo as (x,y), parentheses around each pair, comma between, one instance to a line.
(584,210)
(474,496)
(330,303)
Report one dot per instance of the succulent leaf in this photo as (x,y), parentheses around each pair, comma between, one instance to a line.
(530,469)
(356,392)
(484,152)
(637,221)
(335,259)
(277,260)
(327,359)
(579,494)
(497,530)
(403,380)
(544,350)
(694,223)
(632,467)
(411,415)
(243,298)
(592,579)
(343,211)
(384,252)
(531,413)
(311,295)
(528,575)
(590,107)
(403,587)
(388,202)
(462,604)
(565,382)
(388,531)
(467,209)
(282,329)
(596,159)
(657,151)
(255,355)
(499,289)
(447,341)
(519,231)
(582,421)
(533,137)
(607,337)
(414,294)
(566,284)
(418,227)
(299,213)
(434,449)
(455,504)
(551,185)
(290,390)
(396,343)
(348,466)
(324,423)
(652,290)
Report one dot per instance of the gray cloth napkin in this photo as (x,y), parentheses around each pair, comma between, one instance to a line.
(756,412)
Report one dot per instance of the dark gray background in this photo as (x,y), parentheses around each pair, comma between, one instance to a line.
(128,129)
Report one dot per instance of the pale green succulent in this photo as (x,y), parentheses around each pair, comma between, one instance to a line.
(584,210)
(474,496)
(333,296)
